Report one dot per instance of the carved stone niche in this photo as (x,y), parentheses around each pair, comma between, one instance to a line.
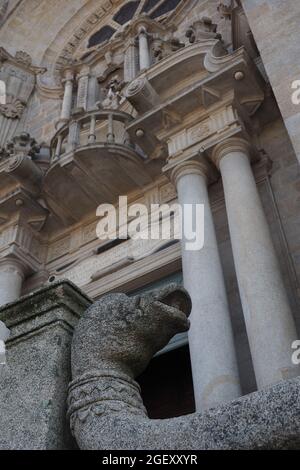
(19,76)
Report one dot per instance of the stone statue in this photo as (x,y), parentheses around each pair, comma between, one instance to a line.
(113,94)
(114,342)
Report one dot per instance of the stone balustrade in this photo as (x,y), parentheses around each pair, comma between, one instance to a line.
(91,128)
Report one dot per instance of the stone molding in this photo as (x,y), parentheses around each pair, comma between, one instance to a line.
(18,242)
(98,393)
(40,309)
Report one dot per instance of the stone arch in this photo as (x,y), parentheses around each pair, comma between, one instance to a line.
(75,32)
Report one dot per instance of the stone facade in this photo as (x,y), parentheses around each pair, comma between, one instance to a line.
(188,103)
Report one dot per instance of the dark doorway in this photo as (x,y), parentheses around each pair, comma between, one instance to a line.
(167,385)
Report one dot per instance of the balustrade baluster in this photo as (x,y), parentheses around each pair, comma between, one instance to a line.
(73,138)
(110,134)
(58,146)
(92,135)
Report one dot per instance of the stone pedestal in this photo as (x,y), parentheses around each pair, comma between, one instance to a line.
(33,384)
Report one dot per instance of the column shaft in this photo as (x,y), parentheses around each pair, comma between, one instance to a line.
(269,321)
(213,358)
(144,52)
(11,279)
(67,100)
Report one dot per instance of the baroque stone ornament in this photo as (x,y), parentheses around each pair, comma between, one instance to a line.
(113,94)
(23,144)
(3,154)
(201,30)
(13,108)
(113,343)
(23,58)
(225,8)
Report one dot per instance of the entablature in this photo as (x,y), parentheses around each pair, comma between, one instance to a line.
(228,81)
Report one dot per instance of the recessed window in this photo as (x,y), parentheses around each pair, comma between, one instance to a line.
(100,36)
(155,8)
(127,12)
(164,8)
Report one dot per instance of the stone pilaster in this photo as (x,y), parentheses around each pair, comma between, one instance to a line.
(278,44)
(34,382)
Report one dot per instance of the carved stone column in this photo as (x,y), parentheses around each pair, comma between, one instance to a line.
(214,365)
(131,61)
(269,321)
(12,274)
(83,87)
(144,52)
(68,96)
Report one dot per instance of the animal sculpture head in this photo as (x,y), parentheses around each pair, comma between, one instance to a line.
(125,332)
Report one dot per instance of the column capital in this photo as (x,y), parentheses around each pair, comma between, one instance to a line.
(83,72)
(68,76)
(191,167)
(13,265)
(232,144)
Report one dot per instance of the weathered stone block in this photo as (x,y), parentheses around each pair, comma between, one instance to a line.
(33,385)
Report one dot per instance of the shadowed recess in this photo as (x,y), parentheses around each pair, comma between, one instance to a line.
(100,36)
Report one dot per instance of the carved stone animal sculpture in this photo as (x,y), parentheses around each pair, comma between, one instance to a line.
(114,342)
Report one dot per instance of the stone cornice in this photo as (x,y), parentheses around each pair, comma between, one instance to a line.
(231,80)
(60,302)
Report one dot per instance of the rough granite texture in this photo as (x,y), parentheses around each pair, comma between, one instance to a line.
(114,342)
(33,384)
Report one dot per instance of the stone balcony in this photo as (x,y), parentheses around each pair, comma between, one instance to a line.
(92,162)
